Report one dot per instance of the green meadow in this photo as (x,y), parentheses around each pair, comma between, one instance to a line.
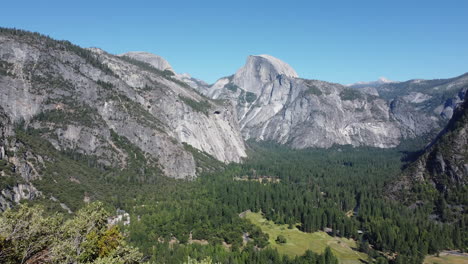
(446,259)
(297,242)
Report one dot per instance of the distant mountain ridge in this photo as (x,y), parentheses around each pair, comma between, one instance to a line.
(162,64)
(380,81)
(273,103)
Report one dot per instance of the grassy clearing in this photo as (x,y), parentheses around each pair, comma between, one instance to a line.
(297,242)
(446,259)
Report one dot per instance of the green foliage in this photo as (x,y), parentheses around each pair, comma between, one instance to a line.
(280,239)
(147,67)
(313,90)
(300,242)
(8,181)
(321,188)
(339,189)
(105,85)
(329,257)
(5,68)
(231,87)
(167,74)
(139,168)
(218,254)
(250,97)
(75,114)
(137,111)
(27,233)
(9,178)
(205,162)
(349,94)
(92,179)
(47,42)
(247,97)
(201,106)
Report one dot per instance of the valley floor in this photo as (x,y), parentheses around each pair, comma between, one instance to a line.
(447,257)
(297,242)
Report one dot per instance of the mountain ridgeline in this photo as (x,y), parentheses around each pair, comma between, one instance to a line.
(81,126)
(273,103)
(133,111)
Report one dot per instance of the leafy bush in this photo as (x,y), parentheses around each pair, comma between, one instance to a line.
(280,239)
(28,233)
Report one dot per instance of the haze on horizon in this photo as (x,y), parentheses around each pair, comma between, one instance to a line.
(343,41)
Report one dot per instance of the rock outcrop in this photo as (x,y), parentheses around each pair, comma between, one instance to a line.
(154,60)
(11,196)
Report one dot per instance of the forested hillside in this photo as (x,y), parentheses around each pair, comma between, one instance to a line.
(439,175)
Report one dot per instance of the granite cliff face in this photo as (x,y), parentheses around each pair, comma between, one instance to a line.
(273,103)
(89,102)
(444,163)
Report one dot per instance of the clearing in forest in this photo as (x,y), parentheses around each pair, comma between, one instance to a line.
(297,242)
(447,258)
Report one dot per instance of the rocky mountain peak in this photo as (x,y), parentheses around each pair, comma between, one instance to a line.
(261,69)
(384,80)
(278,66)
(378,82)
(154,60)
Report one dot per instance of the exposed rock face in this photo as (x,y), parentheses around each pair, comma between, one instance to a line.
(260,70)
(444,163)
(9,197)
(273,103)
(162,64)
(77,98)
(411,122)
(438,97)
(154,60)
(91,103)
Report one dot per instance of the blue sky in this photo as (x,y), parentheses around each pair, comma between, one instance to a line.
(338,41)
